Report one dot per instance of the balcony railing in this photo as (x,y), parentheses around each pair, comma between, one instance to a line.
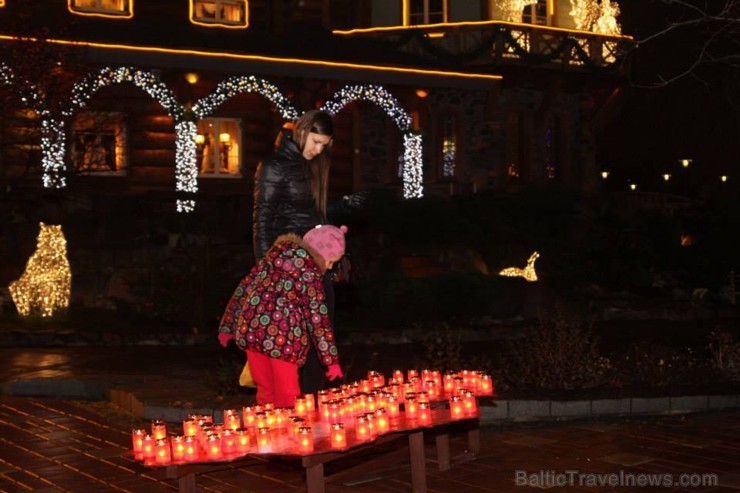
(498,42)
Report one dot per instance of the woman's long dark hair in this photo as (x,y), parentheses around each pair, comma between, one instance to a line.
(318,122)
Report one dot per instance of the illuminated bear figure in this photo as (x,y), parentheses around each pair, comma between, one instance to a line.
(45,286)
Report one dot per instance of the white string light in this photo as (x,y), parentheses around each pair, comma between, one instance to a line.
(240,84)
(412,158)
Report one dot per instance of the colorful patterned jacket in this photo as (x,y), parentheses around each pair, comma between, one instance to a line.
(281,303)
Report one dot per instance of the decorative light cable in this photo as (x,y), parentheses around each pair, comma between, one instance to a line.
(52,130)
(412,170)
(607,24)
(239,84)
(412,157)
(185,166)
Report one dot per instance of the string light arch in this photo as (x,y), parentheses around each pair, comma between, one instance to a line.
(186,173)
(52,130)
(233,86)
(412,160)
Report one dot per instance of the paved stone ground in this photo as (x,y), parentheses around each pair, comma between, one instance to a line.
(51,445)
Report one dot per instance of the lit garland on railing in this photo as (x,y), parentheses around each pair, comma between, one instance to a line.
(239,84)
(512,10)
(412,158)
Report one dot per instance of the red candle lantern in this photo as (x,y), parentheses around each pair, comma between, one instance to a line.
(425,413)
(177,444)
(335,411)
(393,407)
(162,450)
(231,419)
(147,448)
(305,439)
(371,425)
(189,427)
(485,385)
(310,403)
(299,406)
(412,407)
(249,416)
(294,422)
(260,419)
(382,425)
(191,449)
(362,430)
(456,407)
(264,444)
(338,436)
(228,442)
(376,379)
(398,376)
(159,429)
(242,440)
(470,405)
(213,447)
(448,382)
(412,374)
(137,437)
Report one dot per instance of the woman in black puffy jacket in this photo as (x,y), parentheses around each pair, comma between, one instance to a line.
(290,196)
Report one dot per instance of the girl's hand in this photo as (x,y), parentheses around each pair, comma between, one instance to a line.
(334,372)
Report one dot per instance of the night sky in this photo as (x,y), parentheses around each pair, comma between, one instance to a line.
(696,116)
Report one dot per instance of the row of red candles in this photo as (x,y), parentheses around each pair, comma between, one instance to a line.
(366,406)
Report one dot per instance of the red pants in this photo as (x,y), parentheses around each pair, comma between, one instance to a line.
(276,380)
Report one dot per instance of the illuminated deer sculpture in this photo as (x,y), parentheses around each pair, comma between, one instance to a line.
(528,273)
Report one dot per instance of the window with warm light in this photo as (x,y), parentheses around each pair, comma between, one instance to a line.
(218,144)
(449,146)
(426,11)
(98,143)
(107,8)
(230,13)
(535,13)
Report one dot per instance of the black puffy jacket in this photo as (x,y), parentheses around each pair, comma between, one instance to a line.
(283,202)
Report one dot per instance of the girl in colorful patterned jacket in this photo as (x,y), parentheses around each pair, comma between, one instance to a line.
(279,309)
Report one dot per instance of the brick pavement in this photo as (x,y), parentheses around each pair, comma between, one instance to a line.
(52,445)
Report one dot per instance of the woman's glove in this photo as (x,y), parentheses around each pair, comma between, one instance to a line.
(334,372)
(355,200)
(224,338)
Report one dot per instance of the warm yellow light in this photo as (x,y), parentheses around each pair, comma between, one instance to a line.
(605,174)
(125,13)
(480,24)
(528,272)
(422,93)
(200,139)
(723,178)
(2,3)
(633,186)
(45,286)
(686,162)
(292,61)
(224,137)
(244,23)
(191,77)
(666,176)
(435,35)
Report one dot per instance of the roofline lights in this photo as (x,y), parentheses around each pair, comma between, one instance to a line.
(443,25)
(262,58)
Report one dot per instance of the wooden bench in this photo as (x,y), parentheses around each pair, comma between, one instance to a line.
(313,463)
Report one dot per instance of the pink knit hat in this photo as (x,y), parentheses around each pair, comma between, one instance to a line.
(327,240)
